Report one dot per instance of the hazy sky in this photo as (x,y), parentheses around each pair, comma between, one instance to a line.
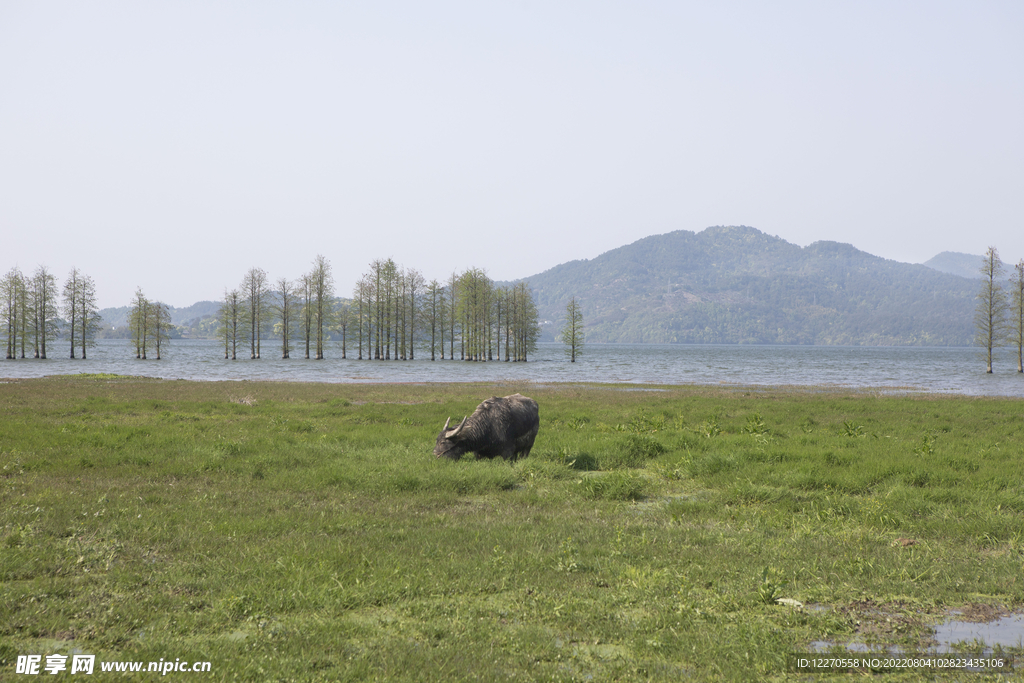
(175,145)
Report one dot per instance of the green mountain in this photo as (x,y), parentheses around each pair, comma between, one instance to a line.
(735,284)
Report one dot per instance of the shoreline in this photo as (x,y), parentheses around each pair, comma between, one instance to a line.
(639,387)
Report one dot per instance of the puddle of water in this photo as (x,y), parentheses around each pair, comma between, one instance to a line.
(1007,632)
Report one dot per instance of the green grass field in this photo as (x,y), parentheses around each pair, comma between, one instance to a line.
(305,532)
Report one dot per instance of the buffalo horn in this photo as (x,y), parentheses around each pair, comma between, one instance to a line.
(455,432)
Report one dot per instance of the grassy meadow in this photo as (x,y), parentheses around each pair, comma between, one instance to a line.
(305,532)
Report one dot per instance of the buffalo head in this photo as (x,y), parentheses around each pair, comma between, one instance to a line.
(448,441)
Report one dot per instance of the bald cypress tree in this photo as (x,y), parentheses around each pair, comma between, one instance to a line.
(454,297)
(286,310)
(306,316)
(343,315)
(44,309)
(79,310)
(506,295)
(139,320)
(70,309)
(434,316)
(89,319)
(1017,312)
(14,292)
(572,333)
(254,289)
(159,326)
(525,323)
(415,282)
(321,292)
(230,322)
(362,316)
(990,313)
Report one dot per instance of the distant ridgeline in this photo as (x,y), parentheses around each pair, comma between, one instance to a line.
(728,285)
(957,263)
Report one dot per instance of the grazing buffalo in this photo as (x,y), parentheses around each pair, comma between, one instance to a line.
(499,426)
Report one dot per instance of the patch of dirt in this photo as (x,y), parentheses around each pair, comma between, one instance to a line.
(888,622)
(978,613)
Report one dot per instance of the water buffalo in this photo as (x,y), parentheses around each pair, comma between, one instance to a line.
(499,426)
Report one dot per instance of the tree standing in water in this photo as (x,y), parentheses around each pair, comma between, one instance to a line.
(434,316)
(160,325)
(572,333)
(14,291)
(255,293)
(138,322)
(44,308)
(80,310)
(990,314)
(321,302)
(285,309)
(1017,312)
(230,318)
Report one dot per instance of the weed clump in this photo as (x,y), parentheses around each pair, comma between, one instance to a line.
(575,460)
(642,448)
(616,486)
(634,451)
(770,588)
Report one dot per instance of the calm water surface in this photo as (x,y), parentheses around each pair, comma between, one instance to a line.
(941,370)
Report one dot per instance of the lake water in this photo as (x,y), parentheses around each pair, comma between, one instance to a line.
(942,370)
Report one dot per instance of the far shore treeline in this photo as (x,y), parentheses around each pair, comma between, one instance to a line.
(729,285)
(394,313)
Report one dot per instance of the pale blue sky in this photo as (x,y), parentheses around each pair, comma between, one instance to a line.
(174,145)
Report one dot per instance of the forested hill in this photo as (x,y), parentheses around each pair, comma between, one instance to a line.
(728,285)
(199,320)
